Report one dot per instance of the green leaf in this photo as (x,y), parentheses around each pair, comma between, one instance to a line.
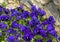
(13,18)
(41,18)
(45,27)
(38,17)
(9,23)
(3,41)
(38,37)
(29,18)
(22,22)
(4,4)
(2,38)
(44,40)
(21,40)
(54,40)
(32,40)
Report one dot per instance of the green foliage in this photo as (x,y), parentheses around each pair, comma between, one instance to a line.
(4,4)
(13,18)
(2,38)
(41,18)
(29,18)
(9,23)
(44,40)
(32,40)
(45,27)
(22,22)
(38,37)
(54,40)
(21,40)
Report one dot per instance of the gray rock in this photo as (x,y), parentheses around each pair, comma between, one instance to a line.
(51,9)
(44,1)
(56,2)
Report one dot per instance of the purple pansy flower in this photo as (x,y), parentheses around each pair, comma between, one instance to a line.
(12,31)
(15,24)
(41,12)
(28,37)
(25,14)
(43,33)
(15,13)
(1,8)
(49,41)
(39,40)
(50,27)
(41,26)
(51,20)
(3,26)
(21,7)
(12,10)
(18,35)
(0,33)
(5,17)
(6,10)
(33,8)
(59,38)
(53,32)
(11,39)
(22,27)
(36,31)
